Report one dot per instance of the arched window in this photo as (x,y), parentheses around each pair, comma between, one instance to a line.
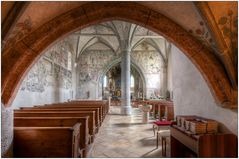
(131,81)
(105,81)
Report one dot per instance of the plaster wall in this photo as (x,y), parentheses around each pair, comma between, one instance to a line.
(192,96)
(50,95)
(92,64)
(49,80)
(170,75)
(90,67)
(6,131)
(151,65)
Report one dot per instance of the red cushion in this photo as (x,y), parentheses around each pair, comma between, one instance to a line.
(163,123)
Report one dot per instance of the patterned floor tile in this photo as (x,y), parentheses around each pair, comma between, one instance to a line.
(125,136)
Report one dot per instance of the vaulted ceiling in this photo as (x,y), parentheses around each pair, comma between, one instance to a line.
(108,36)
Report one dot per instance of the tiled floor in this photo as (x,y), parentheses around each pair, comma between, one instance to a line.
(125,136)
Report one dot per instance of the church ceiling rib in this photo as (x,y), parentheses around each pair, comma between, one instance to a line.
(152,43)
(106,43)
(94,40)
(84,46)
(132,35)
(223,49)
(114,29)
(11,12)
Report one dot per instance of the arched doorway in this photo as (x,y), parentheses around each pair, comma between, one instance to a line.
(25,52)
(111,81)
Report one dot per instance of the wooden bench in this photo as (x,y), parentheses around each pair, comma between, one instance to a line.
(74,108)
(97,112)
(101,104)
(47,142)
(58,122)
(161,109)
(104,103)
(91,114)
(73,105)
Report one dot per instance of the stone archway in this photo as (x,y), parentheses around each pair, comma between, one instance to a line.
(18,59)
(116,62)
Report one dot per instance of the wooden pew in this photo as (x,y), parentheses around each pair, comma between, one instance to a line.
(104,102)
(47,142)
(58,122)
(161,108)
(97,112)
(73,105)
(91,114)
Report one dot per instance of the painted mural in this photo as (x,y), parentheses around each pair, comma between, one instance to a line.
(93,62)
(151,64)
(229,27)
(203,35)
(21,29)
(149,61)
(50,70)
(91,66)
(226,17)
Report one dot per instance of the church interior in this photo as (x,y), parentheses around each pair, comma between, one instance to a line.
(111,79)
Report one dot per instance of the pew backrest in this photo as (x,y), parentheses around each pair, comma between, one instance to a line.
(97,112)
(57,122)
(91,114)
(46,141)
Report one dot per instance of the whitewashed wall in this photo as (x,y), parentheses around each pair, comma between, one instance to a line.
(151,66)
(49,80)
(93,63)
(192,96)
(6,131)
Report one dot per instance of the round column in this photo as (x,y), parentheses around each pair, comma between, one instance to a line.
(125,83)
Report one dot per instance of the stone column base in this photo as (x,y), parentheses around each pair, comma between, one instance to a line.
(126,110)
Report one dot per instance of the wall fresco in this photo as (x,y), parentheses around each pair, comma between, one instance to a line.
(229,25)
(225,15)
(50,70)
(149,61)
(21,29)
(203,35)
(90,67)
(92,63)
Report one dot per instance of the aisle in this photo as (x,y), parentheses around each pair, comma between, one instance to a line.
(125,136)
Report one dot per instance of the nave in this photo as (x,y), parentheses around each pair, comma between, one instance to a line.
(126,136)
(177,61)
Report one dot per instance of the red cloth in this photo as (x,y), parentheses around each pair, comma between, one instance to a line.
(163,123)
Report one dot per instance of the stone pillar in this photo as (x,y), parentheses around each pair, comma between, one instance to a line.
(163,80)
(74,80)
(6,131)
(125,83)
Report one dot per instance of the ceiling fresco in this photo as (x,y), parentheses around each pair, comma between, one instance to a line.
(183,13)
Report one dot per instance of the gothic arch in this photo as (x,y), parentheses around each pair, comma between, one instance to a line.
(116,62)
(18,59)
(151,43)
(94,41)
